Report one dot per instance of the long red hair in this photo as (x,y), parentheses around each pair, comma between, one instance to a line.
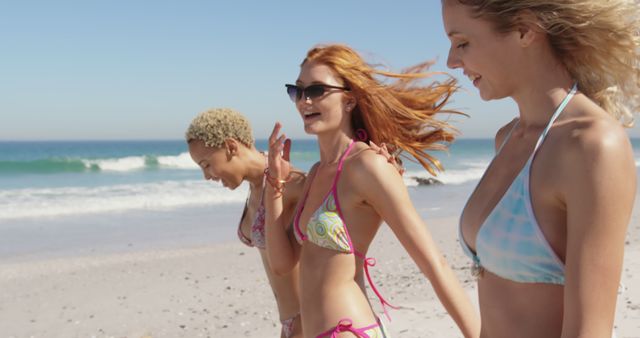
(399,114)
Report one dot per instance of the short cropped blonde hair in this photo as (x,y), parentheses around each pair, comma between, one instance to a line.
(214,126)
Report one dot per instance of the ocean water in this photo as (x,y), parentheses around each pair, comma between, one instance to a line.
(76,198)
(50,179)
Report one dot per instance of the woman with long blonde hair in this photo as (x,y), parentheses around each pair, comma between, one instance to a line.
(545,227)
(351,190)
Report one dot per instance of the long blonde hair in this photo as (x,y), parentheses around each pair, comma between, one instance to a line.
(598,41)
(400,114)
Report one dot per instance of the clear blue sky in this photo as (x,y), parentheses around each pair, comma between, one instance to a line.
(143,69)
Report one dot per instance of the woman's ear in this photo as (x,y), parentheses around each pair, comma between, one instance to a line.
(528,27)
(350,104)
(231,145)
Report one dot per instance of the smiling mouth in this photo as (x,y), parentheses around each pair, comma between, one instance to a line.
(310,115)
(473,78)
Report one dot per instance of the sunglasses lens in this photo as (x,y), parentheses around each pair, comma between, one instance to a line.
(314,91)
(293,92)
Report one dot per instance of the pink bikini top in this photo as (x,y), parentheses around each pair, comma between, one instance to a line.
(326,227)
(257,227)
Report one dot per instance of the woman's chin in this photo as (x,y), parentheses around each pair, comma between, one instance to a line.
(309,129)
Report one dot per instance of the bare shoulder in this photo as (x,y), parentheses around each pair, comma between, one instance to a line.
(594,139)
(502,133)
(365,158)
(365,166)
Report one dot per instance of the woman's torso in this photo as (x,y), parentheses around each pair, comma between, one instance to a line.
(508,306)
(332,281)
(533,308)
(251,232)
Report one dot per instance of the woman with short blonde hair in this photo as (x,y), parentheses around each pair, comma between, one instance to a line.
(221,143)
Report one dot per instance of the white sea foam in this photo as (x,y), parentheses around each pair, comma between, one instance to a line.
(453,176)
(182,161)
(137,163)
(166,195)
(130,163)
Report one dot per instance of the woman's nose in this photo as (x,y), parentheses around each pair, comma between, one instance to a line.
(453,61)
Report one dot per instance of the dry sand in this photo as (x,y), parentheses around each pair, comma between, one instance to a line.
(221,291)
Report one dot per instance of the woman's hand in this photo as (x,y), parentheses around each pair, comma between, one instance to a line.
(282,252)
(279,169)
(382,150)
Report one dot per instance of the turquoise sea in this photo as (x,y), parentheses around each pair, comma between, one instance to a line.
(48,179)
(74,197)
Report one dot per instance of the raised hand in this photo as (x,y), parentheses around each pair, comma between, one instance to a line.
(279,169)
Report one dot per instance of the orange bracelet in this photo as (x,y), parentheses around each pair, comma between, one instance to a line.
(276,184)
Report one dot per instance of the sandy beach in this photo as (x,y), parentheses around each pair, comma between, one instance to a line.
(221,291)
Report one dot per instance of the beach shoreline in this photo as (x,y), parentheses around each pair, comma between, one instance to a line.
(198,291)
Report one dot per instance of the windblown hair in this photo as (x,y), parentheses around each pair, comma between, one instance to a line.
(214,126)
(399,114)
(598,41)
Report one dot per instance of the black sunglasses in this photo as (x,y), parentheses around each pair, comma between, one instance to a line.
(311,92)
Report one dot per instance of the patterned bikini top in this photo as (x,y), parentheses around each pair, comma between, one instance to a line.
(327,229)
(510,243)
(257,227)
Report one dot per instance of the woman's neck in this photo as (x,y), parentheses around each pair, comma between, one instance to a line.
(541,92)
(256,163)
(332,147)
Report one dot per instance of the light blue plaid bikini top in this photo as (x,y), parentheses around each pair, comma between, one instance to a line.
(510,243)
